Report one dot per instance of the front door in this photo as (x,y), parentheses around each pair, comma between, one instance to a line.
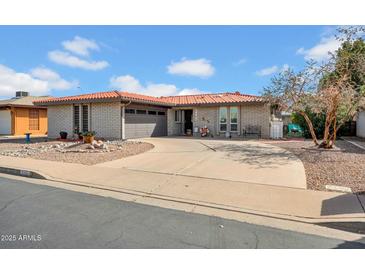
(188,121)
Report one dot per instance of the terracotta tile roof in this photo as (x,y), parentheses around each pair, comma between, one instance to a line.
(106,95)
(142,98)
(215,98)
(82,97)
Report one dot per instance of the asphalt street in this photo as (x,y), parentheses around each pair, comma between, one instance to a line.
(38,216)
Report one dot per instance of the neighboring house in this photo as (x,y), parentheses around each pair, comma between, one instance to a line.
(129,115)
(360,124)
(19,116)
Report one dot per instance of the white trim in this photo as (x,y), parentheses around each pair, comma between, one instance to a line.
(230,123)
(123,122)
(219,119)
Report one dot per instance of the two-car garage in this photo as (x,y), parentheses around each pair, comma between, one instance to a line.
(144,121)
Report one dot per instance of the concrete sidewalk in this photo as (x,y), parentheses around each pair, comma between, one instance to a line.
(283,202)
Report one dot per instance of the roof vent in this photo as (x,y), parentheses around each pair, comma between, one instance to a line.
(20,94)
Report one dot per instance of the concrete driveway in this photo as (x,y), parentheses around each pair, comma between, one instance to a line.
(238,161)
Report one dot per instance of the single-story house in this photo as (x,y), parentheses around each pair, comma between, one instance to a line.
(19,115)
(126,115)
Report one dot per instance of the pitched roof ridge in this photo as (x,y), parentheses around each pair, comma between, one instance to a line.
(138,94)
(218,93)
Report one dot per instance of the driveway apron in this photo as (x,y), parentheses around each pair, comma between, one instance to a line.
(237,161)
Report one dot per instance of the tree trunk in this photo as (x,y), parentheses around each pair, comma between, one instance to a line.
(326,132)
(327,136)
(334,135)
(310,126)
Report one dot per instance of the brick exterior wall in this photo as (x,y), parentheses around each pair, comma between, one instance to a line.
(106,119)
(206,116)
(255,114)
(173,128)
(360,124)
(59,119)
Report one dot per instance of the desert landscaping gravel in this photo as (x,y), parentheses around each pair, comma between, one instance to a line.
(74,152)
(342,166)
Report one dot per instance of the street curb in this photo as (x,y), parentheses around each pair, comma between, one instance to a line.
(21,172)
(276,215)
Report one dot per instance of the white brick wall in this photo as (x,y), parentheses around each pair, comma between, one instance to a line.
(106,119)
(360,124)
(173,128)
(59,119)
(206,116)
(256,115)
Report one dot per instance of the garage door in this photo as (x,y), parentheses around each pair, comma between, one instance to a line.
(5,122)
(141,123)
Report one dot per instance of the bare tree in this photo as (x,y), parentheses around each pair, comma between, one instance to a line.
(335,88)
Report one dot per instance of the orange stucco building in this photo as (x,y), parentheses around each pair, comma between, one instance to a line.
(19,116)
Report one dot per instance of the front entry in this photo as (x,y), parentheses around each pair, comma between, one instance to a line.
(188,122)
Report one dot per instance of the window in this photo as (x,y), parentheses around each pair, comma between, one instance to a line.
(33,119)
(76,119)
(130,111)
(152,112)
(222,119)
(141,111)
(161,113)
(177,115)
(85,118)
(233,116)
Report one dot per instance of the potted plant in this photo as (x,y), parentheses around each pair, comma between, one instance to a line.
(88,136)
(63,135)
(80,135)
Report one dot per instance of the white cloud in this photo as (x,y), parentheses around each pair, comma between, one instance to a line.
(53,79)
(160,89)
(39,81)
(126,82)
(198,67)
(131,84)
(187,91)
(271,70)
(65,58)
(320,51)
(80,46)
(267,71)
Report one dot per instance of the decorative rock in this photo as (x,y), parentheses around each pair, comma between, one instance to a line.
(90,147)
(104,146)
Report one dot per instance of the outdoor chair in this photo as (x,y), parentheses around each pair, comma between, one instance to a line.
(252,130)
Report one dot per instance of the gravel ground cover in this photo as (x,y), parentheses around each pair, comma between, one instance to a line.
(74,152)
(342,166)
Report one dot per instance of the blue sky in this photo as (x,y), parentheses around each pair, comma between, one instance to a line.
(155,60)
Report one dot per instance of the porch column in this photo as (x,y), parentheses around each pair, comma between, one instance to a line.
(123,122)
